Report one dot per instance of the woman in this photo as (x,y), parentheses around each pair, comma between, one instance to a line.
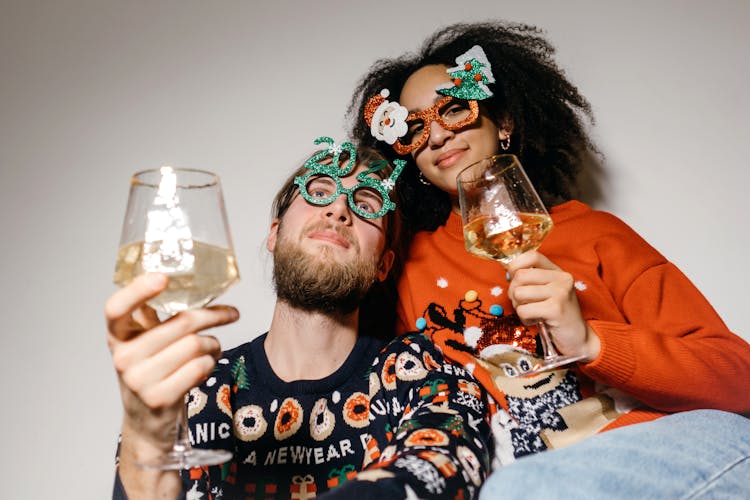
(651,344)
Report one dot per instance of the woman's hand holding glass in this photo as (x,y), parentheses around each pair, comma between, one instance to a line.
(504,218)
(540,289)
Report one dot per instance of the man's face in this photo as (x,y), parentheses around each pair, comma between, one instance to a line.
(326,258)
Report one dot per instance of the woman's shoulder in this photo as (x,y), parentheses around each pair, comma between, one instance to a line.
(581,217)
(604,231)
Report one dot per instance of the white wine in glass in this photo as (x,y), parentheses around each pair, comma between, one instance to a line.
(503,217)
(488,235)
(213,271)
(176,224)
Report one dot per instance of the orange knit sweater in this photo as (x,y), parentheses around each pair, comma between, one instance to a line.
(663,347)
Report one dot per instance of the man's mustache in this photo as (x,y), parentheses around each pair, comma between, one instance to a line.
(342,231)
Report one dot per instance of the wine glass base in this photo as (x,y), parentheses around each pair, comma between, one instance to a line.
(187,459)
(550,363)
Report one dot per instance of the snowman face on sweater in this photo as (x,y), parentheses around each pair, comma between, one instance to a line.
(511,363)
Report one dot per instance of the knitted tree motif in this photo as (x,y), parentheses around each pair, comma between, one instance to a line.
(388,431)
(226,469)
(239,375)
(455,425)
(470,77)
(408,426)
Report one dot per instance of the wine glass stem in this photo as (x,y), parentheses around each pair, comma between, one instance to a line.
(547,346)
(182,440)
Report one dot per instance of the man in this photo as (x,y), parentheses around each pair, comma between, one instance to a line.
(313,401)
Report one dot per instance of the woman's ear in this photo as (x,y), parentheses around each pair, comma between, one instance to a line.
(273,233)
(505,128)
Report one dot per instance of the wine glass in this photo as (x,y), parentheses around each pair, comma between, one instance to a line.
(176,224)
(503,217)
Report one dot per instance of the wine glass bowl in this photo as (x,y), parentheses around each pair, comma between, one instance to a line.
(175,224)
(504,217)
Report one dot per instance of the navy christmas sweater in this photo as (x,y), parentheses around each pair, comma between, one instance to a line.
(392,422)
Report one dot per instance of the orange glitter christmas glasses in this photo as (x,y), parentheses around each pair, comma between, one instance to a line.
(449,112)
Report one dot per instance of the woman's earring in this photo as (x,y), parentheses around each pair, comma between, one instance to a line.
(505,143)
(423,179)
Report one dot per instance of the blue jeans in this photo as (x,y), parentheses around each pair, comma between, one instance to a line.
(695,454)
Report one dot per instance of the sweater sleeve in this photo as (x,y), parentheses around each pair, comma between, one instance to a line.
(118,491)
(204,418)
(429,437)
(672,351)
(209,408)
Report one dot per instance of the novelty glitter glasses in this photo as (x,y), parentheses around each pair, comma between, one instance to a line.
(448,112)
(321,185)
(390,122)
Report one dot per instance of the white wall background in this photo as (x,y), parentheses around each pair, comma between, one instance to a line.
(91,91)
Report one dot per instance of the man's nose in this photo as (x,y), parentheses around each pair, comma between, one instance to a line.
(339,210)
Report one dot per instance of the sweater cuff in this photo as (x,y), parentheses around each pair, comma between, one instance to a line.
(615,364)
(118,492)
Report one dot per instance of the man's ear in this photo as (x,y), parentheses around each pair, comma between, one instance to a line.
(273,233)
(386,262)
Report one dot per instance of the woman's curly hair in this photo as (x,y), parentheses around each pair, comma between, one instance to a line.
(531,92)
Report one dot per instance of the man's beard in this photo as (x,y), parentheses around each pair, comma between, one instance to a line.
(320,285)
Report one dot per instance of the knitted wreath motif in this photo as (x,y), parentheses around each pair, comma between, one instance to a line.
(409,367)
(197,400)
(388,373)
(249,423)
(357,410)
(427,437)
(288,420)
(222,399)
(322,420)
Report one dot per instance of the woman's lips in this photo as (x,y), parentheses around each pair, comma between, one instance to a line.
(449,158)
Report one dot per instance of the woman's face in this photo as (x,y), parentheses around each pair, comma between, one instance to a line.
(446,152)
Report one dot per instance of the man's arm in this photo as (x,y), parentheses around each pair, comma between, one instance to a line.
(156,363)
(430,437)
